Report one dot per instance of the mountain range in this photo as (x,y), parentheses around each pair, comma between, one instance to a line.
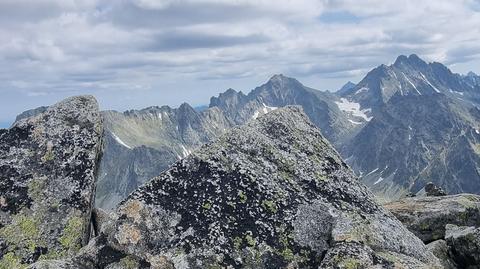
(401,126)
(250,181)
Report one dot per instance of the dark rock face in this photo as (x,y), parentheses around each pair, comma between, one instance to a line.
(30,113)
(425,127)
(47,181)
(432,190)
(426,217)
(465,244)
(270,194)
(442,251)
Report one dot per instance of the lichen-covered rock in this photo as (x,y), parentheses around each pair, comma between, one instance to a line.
(47,182)
(442,251)
(270,194)
(57,264)
(354,255)
(426,217)
(465,245)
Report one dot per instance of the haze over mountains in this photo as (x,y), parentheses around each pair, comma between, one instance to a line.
(401,126)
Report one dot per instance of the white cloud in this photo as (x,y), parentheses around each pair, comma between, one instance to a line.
(103,47)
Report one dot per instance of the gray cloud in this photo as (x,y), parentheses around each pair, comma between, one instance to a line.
(134,53)
(130,15)
(190,40)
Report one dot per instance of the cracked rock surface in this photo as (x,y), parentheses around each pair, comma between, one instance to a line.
(270,194)
(48,162)
(427,217)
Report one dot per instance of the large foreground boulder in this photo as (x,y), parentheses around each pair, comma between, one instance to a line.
(442,251)
(47,181)
(426,217)
(270,194)
(465,245)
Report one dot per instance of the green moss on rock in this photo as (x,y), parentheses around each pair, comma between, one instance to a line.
(242,196)
(270,206)
(22,233)
(72,234)
(10,261)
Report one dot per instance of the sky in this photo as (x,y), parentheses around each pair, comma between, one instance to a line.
(139,53)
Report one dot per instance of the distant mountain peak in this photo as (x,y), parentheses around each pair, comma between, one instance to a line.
(281,78)
(277,77)
(186,107)
(346,88)
(281,81)
(471,74)
(412,60)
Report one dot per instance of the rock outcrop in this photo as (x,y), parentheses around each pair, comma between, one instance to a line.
(442,251)
(270,194)
(48,164)
(465,244)
(432,190)
(427,217)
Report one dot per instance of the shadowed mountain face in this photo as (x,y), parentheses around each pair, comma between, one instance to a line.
(399,127)
(425,127)
(280,91)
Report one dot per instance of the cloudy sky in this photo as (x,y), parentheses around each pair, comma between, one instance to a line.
(137,53)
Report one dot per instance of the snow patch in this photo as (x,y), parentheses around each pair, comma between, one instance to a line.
(119,141)
(185,152)
(428,82)
(160,116)
(477,131)
(362,89)
(395,75)
(413,85)
(371,172)
(380,179)
(354,122)
(452,91)
(353,109)
(265,109)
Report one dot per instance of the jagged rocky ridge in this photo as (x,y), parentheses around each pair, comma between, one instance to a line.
(270,194)
(139,144)
(425,127)
(48,164)
(400,127)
